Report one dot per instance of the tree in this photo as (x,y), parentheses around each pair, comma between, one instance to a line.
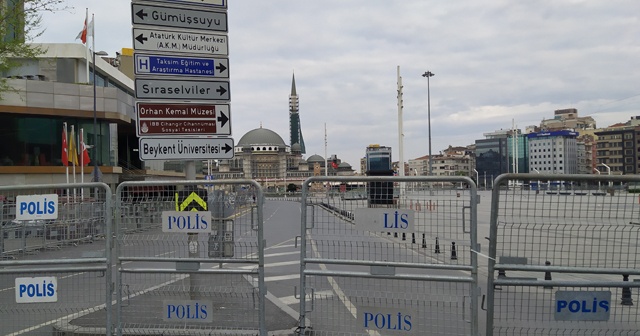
(20,22)
(292,187)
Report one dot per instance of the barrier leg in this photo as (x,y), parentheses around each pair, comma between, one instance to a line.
(626,293)
(547,274)
(454,254)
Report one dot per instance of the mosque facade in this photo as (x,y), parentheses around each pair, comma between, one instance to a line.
(262,155)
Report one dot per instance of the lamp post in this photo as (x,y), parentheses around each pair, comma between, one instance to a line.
(429,74)
(608,172)
(477,176)
(597,171)
(95,116)
(537,172)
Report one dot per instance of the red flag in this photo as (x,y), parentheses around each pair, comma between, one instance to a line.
(334,165)
(83,34)
(85,153)
(65,155)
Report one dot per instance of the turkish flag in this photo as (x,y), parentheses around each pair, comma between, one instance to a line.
(334,165)
(85,153)
(82,35)
(65,155)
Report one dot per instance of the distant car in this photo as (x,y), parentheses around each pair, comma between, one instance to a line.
(31,227)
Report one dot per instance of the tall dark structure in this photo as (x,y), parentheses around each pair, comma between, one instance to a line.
(379,163)
(295,130)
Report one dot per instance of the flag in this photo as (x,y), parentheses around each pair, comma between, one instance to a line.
(334,165)
(85,153)
(82,35)
(65,156)
(73,151)
(90,28)
(87,30)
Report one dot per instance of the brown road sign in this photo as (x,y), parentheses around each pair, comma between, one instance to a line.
(158,119)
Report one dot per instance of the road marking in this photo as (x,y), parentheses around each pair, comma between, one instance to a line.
(345,300)
(96,308)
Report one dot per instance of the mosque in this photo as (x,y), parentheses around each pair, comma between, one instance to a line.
(262,155)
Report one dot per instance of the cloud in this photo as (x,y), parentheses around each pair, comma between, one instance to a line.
(494,61)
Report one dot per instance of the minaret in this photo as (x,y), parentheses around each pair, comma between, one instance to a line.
(295,131)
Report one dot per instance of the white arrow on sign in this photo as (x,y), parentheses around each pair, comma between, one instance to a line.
(185,148)
(180,42)
(150,88)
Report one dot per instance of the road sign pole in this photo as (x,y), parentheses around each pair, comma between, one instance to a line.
(190,174)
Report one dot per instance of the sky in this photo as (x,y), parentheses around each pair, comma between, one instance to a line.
(496,63)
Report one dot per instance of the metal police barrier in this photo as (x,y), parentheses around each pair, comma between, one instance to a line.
(54,272)
(563,256)
(192,261)
(388,256)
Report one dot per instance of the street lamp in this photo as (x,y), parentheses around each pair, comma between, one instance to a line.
(429,74)
(597,171)
(95,117)
(537,172)
(608,172)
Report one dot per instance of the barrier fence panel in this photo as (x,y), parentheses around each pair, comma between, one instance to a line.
(54,274)
(190,258)
(564,255)
(388,256)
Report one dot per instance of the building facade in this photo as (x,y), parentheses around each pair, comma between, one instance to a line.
(51,90)
(618,149)
(492,156)
(553,152)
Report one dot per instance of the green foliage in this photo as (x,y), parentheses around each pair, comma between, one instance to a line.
(20,24)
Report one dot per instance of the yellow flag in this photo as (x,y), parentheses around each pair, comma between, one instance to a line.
(73,151)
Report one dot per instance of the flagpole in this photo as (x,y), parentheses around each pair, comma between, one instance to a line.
(73,152)
(82,162)
(66,164)
(86,20)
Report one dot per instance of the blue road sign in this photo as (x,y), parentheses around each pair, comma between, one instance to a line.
(181,66)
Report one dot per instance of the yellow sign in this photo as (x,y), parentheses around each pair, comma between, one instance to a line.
(193,202)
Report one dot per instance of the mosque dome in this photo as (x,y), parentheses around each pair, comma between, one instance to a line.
(344,165)
(316,158)
(261,136)
(296,147)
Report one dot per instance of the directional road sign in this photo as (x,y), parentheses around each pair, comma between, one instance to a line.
(180,42)
(147,88)
(185,148)
(160,119)
(187,18)
(208,3)
(181,66)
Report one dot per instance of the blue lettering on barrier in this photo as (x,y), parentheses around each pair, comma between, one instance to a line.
(582,306)
(403,222)
(182,312)
(187,311)
(184,222)
(35,290)
(399,321)
(38,208)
